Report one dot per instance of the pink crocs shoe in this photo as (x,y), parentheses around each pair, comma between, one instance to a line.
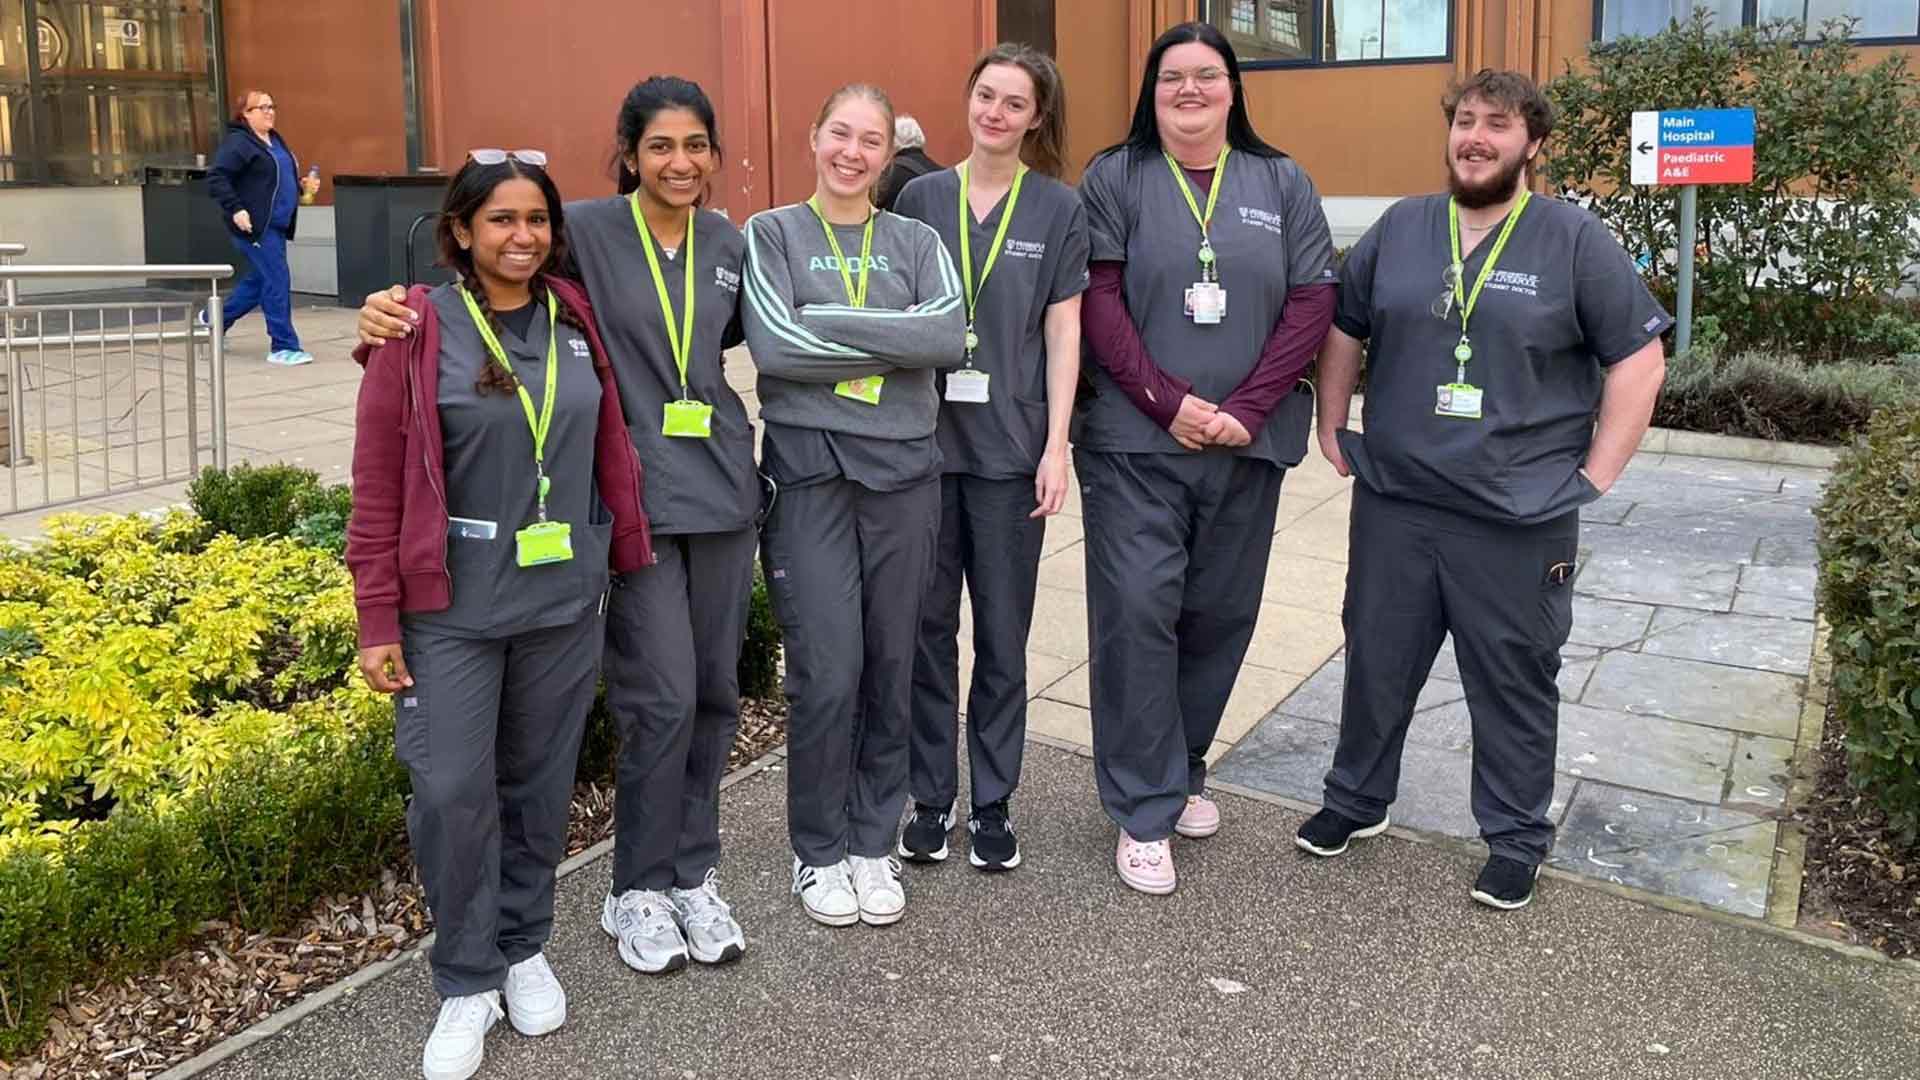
(1200,819)
(1145,865)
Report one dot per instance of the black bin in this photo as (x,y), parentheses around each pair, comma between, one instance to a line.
(183,224)
(371,219)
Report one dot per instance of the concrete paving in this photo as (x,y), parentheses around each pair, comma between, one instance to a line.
(1265,963)
(1681,689)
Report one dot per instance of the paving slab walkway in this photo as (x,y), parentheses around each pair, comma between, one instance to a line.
(1681,689)
(1265,963)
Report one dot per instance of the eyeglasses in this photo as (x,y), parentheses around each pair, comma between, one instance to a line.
(262,108)
(1442,306)
(535,158)
(1205,78)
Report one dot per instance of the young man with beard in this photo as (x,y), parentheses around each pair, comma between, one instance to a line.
(1513,360)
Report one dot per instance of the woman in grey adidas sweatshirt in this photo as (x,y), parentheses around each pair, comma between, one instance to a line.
(848,312)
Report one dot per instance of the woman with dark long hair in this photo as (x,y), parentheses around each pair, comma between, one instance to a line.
(1020,238)
(666,275)
(1196,412)
(493,487)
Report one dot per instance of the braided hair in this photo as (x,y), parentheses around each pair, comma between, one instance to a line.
(467,192)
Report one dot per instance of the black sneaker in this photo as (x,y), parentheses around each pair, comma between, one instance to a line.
(1505,883)
(1327,832)
(924,840)
(994,846)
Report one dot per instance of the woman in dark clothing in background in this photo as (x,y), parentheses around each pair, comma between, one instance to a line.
(253,178)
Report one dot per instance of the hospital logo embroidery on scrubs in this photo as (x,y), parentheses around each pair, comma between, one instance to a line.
(1514,281)
(580,348)
(1263,219)
(820,263)
(726,279)
(1024,249)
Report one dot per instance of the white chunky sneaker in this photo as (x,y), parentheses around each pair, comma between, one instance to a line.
(641,920)
(826,892)
(457,1044)
(876,882)
(535,1002)
(707,921)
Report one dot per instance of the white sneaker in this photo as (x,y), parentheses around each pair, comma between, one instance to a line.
(458,1041)
(826,893)
(876,881)
(641,920)
(535,1002)
(707,921)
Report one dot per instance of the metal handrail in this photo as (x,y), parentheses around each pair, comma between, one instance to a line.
(10,248)
(158,271)
(15,343)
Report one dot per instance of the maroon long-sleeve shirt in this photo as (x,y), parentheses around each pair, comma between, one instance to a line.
(1109,330)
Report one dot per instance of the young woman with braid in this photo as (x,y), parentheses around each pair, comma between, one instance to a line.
(665,275)
(494,486)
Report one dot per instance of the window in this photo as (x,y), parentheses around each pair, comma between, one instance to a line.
(1881,20)
(1271,32)
(1877,18)
(92,92)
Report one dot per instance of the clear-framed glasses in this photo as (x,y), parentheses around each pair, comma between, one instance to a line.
(535,158)
(1205,78)
(1442,306)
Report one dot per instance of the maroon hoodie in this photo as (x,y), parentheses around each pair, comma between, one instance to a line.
(397,537)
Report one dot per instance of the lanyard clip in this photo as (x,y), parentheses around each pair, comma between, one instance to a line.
(545,486)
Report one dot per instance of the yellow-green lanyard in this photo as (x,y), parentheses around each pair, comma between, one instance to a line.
(680,339)
(543,420)
(993,253)
(856,297)
(1463,352)
(1207,271)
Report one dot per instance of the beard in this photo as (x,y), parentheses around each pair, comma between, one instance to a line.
(1496,189)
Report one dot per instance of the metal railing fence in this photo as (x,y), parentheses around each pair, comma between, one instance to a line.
(107,397)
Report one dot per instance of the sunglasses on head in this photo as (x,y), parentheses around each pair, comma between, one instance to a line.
(535,158)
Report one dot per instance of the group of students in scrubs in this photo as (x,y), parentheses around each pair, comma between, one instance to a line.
(920,381)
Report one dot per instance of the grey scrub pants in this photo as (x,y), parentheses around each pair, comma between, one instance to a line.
(490,733)
(1177,549)
(846,569)
(1415,573)
(988,536)
(673,688)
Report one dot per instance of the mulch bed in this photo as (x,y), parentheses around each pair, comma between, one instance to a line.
(1862,884)
(227,979)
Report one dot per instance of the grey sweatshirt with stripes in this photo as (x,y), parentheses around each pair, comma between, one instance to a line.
(805,337)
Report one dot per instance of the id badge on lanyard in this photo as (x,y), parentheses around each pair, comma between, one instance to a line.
(544,541)
(685,418)
(1205,301)
(865,390)
(1461,399)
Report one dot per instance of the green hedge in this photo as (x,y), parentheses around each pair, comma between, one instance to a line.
(1764,396)
(278,827)
(1870,591)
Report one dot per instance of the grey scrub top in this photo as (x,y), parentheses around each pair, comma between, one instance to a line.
(1043,262)
(796,456)
(1269,236)
(1563,304)
(693,485)
(491,478)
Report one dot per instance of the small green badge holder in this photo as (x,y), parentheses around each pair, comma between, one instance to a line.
(865,390)
(544,541)
(687,420)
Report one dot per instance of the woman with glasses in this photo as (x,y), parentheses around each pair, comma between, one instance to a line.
(1020,238)
(849,310)
(665,276)
(493,486)
(1212,273)
(253,179)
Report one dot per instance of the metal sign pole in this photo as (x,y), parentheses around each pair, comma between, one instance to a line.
(1683,303)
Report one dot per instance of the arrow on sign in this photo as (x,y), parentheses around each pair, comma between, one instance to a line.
(1644,148)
